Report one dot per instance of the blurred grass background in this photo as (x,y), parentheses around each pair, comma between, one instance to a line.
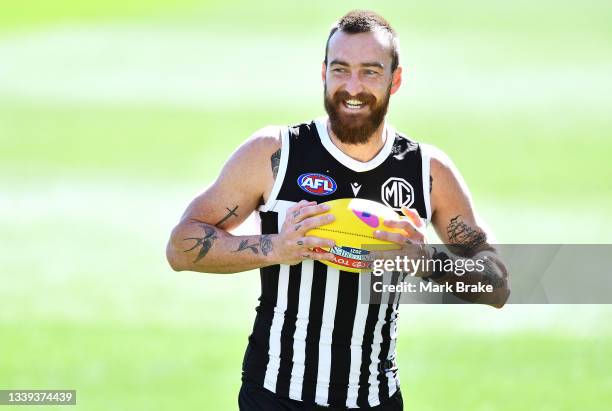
(113,115)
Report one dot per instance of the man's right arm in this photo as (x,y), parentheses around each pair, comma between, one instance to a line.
(201,241)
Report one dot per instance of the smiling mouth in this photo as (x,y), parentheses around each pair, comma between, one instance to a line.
(353,104)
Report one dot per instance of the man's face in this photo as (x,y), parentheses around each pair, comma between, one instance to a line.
(358,83)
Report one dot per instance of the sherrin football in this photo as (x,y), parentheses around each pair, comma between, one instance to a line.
(353,232)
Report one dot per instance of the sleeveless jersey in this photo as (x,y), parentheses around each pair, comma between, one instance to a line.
(313,340)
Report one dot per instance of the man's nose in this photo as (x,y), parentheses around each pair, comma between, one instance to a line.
(353,85)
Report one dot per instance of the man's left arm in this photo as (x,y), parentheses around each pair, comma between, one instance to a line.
(465,236)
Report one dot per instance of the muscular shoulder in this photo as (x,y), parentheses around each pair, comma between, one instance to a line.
(251,168)
(253,155)
(440,162)
(267,138)
(261,144)
(246,178)
(447,184)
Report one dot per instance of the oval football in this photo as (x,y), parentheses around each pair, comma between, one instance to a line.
(353,232)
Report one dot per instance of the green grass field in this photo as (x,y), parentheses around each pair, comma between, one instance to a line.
(114,115)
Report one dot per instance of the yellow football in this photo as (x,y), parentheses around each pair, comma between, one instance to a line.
(353,232)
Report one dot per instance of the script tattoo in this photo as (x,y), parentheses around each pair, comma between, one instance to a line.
(275,162)
(230,213)
(463,238)
(430,183)
(205,243)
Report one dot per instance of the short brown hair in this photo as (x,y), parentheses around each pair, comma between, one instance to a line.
(365,21)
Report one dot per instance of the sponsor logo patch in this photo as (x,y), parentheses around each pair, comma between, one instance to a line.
(317,184)
(397,193)
(349,257)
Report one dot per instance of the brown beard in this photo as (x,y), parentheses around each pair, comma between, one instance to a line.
(355,129)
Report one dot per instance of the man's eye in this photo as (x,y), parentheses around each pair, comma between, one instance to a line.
(371,72)
(339,70)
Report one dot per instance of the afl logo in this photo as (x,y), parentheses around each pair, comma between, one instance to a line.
(317,184)
(397,193)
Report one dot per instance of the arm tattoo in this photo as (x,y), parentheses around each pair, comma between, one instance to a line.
(492,274)
(275,162)
(205,243)
(230,213)
(244,244)
(265,244)
(463,238)
(430,183)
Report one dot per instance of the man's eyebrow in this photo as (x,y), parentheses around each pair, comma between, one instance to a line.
(339,62)
(373,64)
(366,64)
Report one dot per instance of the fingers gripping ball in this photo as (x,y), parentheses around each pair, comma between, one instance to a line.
(352,230)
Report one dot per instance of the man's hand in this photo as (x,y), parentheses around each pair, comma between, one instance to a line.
(292,244)
(413,241)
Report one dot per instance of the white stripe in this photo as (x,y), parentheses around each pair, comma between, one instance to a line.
(393,382)
(327,327)
(277,321)
(373,398)
(392,379)
(282,169)
(301,327)
(355,165)
(426,162)
(361,315)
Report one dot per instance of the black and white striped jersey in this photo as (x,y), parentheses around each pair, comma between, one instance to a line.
(313,340)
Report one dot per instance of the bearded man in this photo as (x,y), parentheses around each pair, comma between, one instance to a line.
(314,345)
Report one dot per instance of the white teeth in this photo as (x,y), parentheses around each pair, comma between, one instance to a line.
(353,103)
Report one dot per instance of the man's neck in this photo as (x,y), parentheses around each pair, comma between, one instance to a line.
(361,152)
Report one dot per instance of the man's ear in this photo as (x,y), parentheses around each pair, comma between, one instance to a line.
(323,71)
(396,79)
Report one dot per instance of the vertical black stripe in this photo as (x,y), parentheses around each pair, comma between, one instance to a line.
(288,330)
(374,298)
(366,352)
(419,203)
(269,275)
(346,308)
(269,222)
(313,332)
(256,357)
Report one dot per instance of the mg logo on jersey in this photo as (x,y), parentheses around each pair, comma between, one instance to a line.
(317,184)
(397,193)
